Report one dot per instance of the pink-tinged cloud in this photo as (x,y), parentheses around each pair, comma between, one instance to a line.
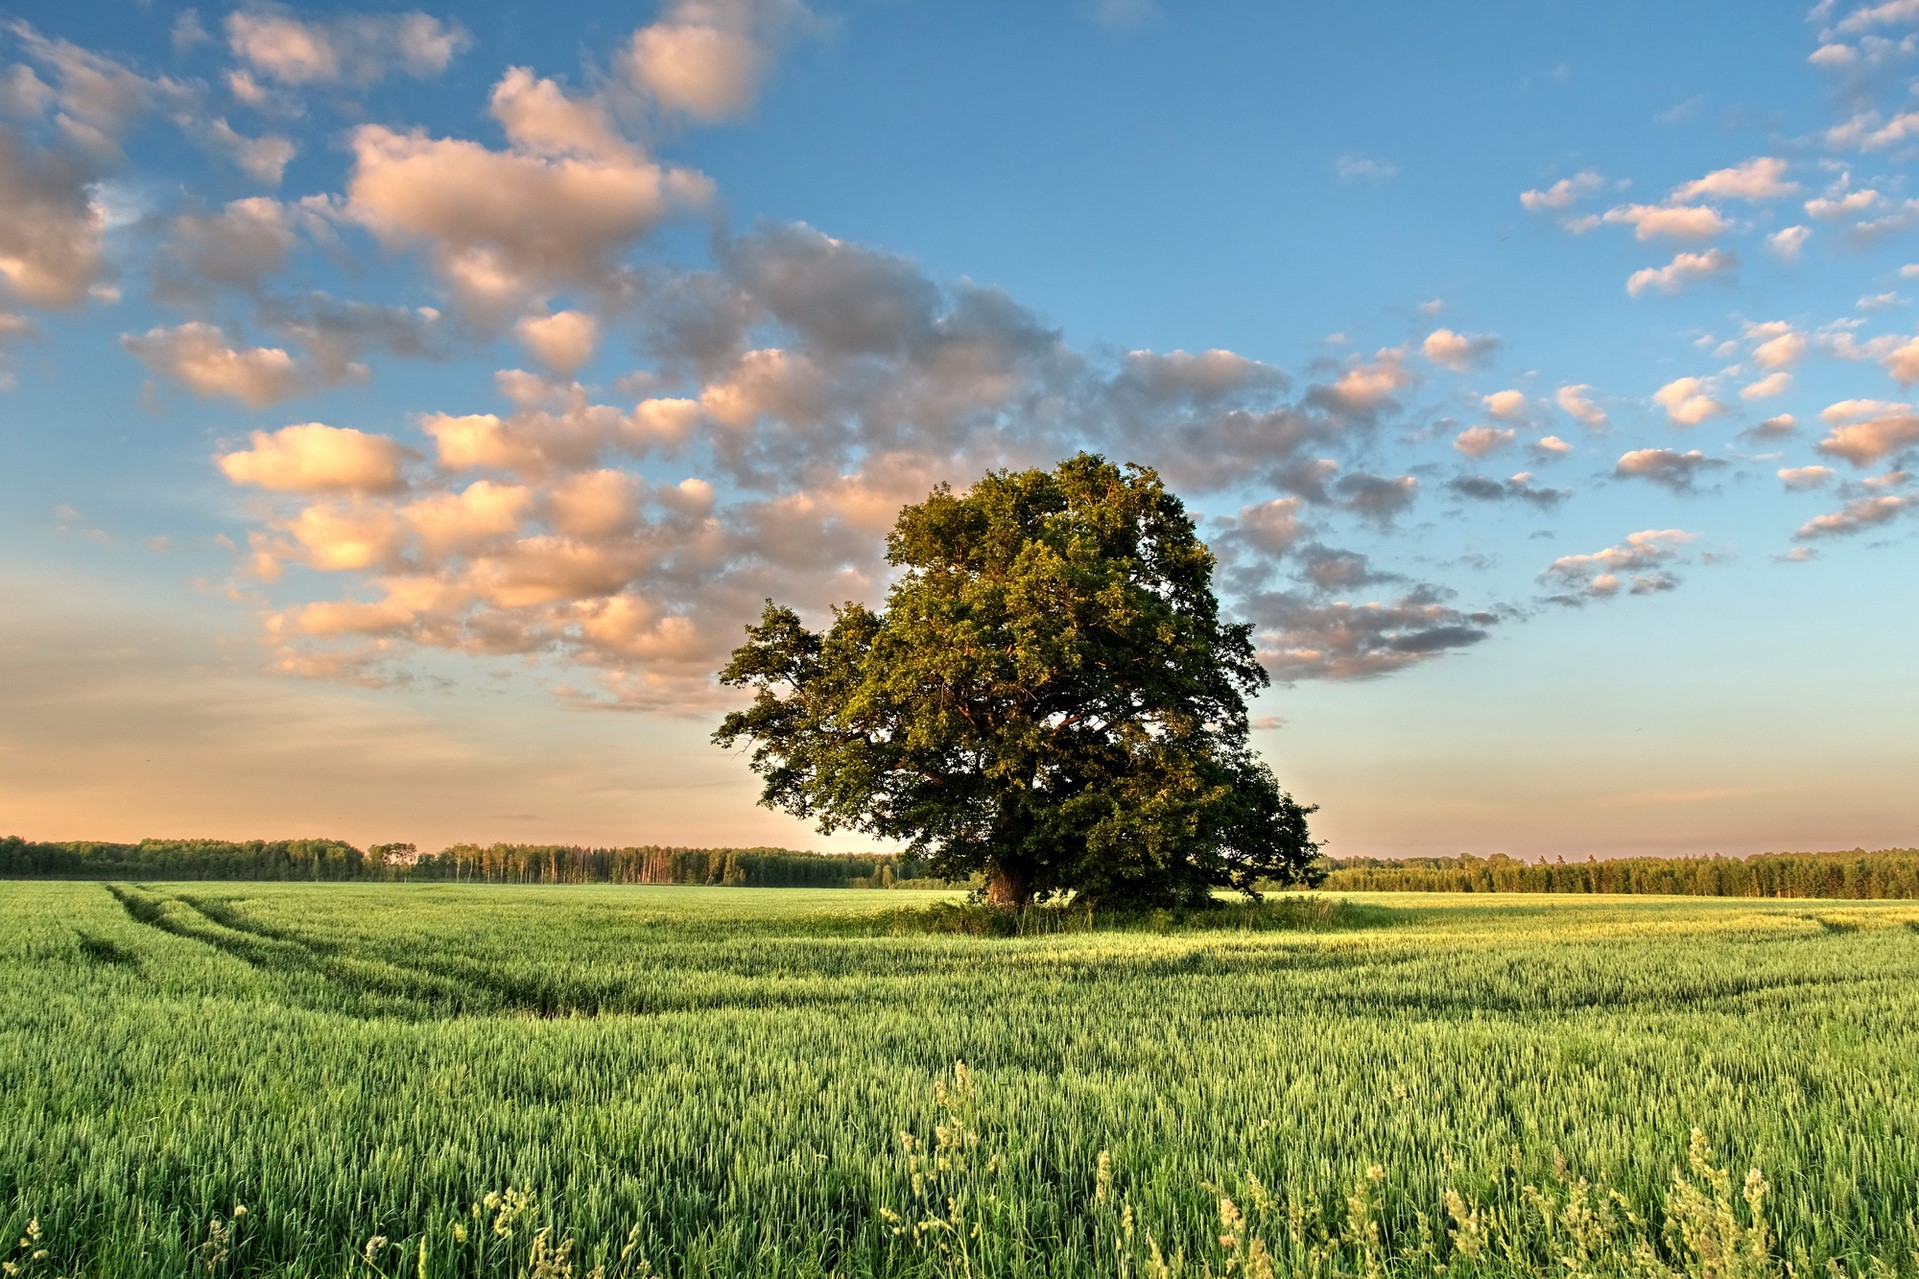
(1505,404)
(51,230)
(482,515)
(562,341)
(1368,387)
(1562,194)
(1788,242)
(1688,401)
(1869,131)
(1666,467)
(1760,178)
(1478,441)
(1669,221)
(1577,400)
(1684,269)
(1806,477)
(1843,205)
(315,458)
(1867,431)
(1459,352)
(540,117)
(200,357)
(1857,516)
(503,225)
(1637,565)
(1778,344)
(354,48)
(1271,528)
(1903,362)
(706,58)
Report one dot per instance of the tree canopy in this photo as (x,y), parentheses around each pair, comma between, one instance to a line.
(1050,697)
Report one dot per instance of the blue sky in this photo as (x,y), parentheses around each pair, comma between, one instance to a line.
(404,409)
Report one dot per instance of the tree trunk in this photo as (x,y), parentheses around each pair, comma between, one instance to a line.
(1009,887)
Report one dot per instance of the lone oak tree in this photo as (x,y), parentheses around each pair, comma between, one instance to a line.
(1050,697)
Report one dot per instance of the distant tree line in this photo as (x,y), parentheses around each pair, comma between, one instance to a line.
(335,860)
(653,864)
(1888,873)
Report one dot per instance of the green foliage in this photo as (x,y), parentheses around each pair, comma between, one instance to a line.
(1050,697)
(1887,874)
(322,859)
(718,1078)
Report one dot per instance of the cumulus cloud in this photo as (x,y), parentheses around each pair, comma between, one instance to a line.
(1300,636)
(1887,12)
(1377,498)
(1902,362)
(1333,569)
(239,247)
(1505,404)
(337,335)
(1159,378)
(58,155)
(352,49)
(1857,516)
(1760,178)
(1551,446)
(315,458)
(1459,352)
(1867,431)
(1768,386)
(1478,441)
(1777,344)
(824,384)
(1519,488)
(1806,477)
(1788,241)
(93,99)
(563,341)
(1839,341)
(1577,401)
(264,158)
(1562,194)
(1367,387)
(1688,401)
(1771,430)
(1638,565)
(541,117)
(502,225)
(1269,529)
(1684,269)
(1666,467)
(200,357)
(1842,205)
(706,58)
(1670,221)
(560,431)
(1870,131)
(50,228)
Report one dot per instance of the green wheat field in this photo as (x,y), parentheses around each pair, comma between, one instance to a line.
(440,1080)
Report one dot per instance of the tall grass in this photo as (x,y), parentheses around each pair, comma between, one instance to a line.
(714,1082)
